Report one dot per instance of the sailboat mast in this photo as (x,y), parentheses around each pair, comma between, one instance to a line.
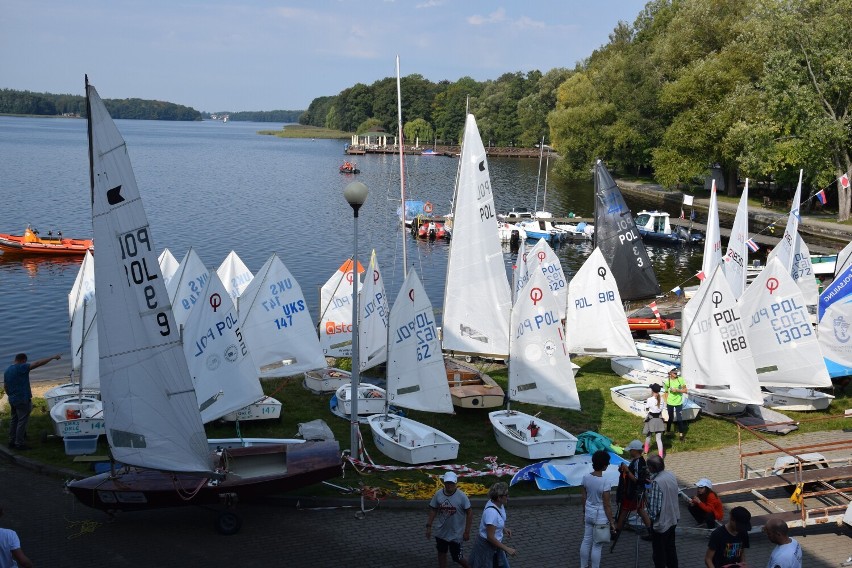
(538,178)
(546,167)
(401,167)
(89,134)
(595,211)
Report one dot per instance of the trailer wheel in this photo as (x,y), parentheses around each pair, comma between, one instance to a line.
(228,523)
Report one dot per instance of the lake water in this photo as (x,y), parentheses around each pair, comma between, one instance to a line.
(220,187)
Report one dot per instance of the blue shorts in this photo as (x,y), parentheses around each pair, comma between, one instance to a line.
(444,545)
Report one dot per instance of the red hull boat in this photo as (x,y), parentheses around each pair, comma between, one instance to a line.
(650,324)
(31,243)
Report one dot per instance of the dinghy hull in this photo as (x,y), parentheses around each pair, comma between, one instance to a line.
(631,399)
(266,408)
(326,380)
(544,440)
(715,405)
(253,472)
(797,399)
(470,388)
(641,370)
(411,442)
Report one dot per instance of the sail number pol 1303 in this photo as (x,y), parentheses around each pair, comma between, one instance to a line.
(134,246)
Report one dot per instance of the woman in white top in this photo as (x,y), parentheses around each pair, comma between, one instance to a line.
(596,509)
(489,550)
(654,423)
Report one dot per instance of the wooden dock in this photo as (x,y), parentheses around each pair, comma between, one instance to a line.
(448,151)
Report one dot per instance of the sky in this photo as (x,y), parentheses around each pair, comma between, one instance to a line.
(250,55)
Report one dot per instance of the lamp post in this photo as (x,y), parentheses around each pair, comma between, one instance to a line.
(355,194)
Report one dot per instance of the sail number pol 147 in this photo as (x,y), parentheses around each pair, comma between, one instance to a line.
(134,246)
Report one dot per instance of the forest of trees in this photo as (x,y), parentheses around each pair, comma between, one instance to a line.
(760,87)
(283,116)
(47,104)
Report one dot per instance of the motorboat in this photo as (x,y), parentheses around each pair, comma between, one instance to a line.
(31,243)
(656,226)
(543,228)
(516,214)
(631,399)
(641,370)
(530,437)
(511,233)
(650,323)
(349,168)
(431,230)
(658,352)
(577,231)
(799,399)
(411,442)
(321,381)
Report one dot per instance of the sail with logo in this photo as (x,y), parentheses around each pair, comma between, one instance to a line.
(595,322)
(619,240)
(373,318)
(335,326)
(736,257)
(543,258)
(234,274)
(185,287)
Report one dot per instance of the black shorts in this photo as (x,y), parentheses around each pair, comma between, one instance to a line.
(444,545)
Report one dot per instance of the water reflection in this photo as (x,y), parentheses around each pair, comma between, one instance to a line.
(34,265)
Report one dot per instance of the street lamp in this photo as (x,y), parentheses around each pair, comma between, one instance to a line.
(355,194)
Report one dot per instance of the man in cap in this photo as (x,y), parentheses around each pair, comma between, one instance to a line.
(450,511)
(728,543)
(631,483)
(787,552)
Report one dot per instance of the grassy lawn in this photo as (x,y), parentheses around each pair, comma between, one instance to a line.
(470,427)
(303,131)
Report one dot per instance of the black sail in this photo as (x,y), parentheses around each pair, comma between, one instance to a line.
(619,240)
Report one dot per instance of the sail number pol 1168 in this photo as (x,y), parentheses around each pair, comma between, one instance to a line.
(731,329)
(422,327)
(134,245)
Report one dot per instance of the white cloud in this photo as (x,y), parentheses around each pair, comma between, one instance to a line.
(430,4)
(498,15)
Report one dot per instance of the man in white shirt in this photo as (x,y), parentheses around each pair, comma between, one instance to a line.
(10,549)
(787,552)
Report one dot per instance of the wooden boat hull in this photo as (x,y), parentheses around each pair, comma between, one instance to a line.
(78,416)
(266,408)
(796,399)
(513,435)
(470,388)
(715,405)
(253,472)
(411,442)
(631,399)
(658,352)
(640,370)
(322,381)
(18,244)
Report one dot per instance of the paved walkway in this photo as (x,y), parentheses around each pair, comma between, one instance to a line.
(56,531)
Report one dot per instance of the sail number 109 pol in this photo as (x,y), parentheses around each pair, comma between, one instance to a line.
(423,327)
(134,244)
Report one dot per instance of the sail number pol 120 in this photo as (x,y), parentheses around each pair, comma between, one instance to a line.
(134,245)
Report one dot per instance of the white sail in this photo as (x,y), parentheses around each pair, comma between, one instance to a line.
(187,285)
(784,249)
(802,272)
(543,259)
(595,322)
(417,378)
(716,357)
(835,336)
(844,260)
(373,318)
(222,370)
(477,298)
(234,274)
(88,368)
(82,291)
(276,324)
(540,370)
(168,265)
(335,328)
(713,237)
(150,410)
(736,258)
(785,347)
(521,274)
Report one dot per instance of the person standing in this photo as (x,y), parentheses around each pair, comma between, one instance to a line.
(631,484)
(450,511)
(488,549)
(728,543)
(787,552)
(654,423)
(11,553)
(661,513)
(596,509)
(705,507)
(16,381)
(674,388)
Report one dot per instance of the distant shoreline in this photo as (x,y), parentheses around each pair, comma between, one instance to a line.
(302,131)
